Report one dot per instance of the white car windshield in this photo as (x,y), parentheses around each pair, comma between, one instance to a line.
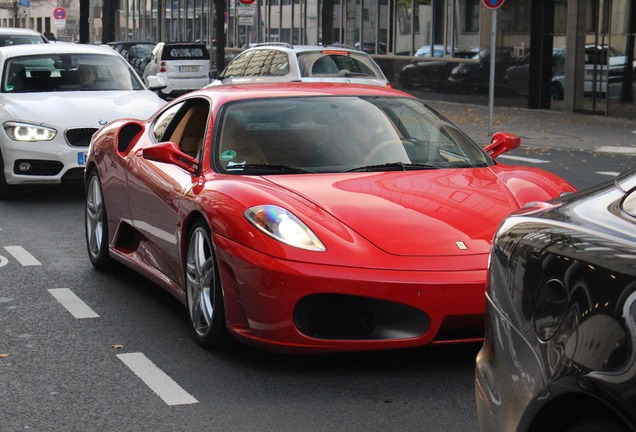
(67,72)
(337,134)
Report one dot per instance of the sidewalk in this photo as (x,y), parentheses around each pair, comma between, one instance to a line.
(543,128)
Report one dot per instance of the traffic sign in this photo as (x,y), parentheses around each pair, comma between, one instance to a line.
(246,2)
(493,4)
(59,13)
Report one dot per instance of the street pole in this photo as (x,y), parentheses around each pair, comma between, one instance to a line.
(491,86)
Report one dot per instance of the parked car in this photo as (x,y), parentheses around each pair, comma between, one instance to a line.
(517,77)
(259,207)
(270,62)
(428,73)
(560,353)
(48,115)
(137,53)
(182,66)
(604,66)
(475,76)
(605,70)
(20,36)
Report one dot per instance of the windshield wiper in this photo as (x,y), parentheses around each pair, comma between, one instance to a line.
(392,166)
(267,167)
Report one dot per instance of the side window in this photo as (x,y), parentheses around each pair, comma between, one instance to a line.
(258,64)
(162,122)
(280,64)
(184,124)
(237,66)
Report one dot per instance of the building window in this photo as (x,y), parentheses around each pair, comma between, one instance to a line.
(471,23)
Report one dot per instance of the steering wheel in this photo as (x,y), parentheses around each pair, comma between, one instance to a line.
(381,146)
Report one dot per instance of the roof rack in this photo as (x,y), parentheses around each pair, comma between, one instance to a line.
(283,44)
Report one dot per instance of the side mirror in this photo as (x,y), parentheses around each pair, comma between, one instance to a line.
(170,153)
(213,74)
(502,142)
(156,83)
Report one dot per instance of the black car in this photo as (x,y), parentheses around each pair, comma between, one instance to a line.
(137,53)
(430,72)
(475,76)
(559,351)
(517,78)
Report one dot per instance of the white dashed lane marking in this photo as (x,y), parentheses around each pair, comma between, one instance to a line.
(156,379)
(23,257)
(608,173)
(73,303)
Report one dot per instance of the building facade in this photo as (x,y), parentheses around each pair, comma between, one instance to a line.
(569,55)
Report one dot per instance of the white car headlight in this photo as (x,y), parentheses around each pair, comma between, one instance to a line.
(28,132)
(280,224)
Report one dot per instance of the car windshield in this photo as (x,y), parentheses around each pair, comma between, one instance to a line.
(67,72)
(7,40)
(339,133)
(335,63)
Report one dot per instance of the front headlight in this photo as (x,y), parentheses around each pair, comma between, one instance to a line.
(28,132)
(280,224)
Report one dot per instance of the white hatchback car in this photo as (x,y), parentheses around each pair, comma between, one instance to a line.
(49,110)
(182,66)
(278,62)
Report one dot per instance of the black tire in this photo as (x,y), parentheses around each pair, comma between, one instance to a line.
(556,91)
(96,224)
(204,296)
(596,425)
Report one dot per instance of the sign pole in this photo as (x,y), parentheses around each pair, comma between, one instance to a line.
(491,85)
(493,5)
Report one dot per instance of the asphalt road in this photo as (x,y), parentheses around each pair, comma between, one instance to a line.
(87,351)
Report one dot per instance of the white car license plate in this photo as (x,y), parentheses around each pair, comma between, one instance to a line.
(81,158)
(188,68)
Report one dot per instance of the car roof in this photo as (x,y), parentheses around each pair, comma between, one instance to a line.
(57,48)
(301,48)
(237,92)
(18,31)
(131,42)
(182,43)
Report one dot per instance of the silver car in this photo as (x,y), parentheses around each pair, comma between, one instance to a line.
(269,62)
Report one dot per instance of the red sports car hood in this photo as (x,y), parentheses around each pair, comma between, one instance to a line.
(418,213)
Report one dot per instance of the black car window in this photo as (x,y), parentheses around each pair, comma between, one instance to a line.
(185,52)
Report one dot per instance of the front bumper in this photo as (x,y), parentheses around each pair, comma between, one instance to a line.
(48,162)
(508,376)
(296,306)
